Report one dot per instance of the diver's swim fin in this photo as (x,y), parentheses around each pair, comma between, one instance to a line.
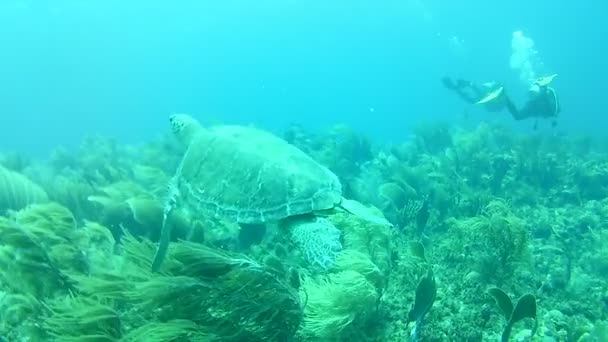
(543,81)
(491,96)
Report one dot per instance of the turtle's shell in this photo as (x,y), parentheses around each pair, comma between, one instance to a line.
(251,176)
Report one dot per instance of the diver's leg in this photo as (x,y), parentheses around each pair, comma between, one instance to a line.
(464,83)
(448,83)
(516,113)
(459,87)
(466,97)
(479,92)
(453,84)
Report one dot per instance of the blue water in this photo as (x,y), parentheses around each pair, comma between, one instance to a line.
(69,69)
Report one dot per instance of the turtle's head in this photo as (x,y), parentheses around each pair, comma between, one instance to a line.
(184,127)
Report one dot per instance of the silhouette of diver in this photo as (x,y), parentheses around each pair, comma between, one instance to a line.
(542,100)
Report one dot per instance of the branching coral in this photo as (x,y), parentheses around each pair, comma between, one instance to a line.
(83,319)
(39,249)
(353,260)
(496,242)
(219,292)
(238,297)
(81,263)
(318,240)
(172,330)
(433,137)
(367,232)
(335,304)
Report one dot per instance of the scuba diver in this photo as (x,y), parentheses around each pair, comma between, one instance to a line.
(542,100)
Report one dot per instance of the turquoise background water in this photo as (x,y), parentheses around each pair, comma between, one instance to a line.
(118,68)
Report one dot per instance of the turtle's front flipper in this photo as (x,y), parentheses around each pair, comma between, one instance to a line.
(363,212)
(165,230)
(163,245)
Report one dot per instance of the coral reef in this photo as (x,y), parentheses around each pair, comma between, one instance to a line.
(437,229)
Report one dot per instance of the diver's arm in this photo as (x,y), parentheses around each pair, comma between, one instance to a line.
(529,110)
(510,105)
(517,114)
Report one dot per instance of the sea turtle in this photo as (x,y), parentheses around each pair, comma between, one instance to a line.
(245,175)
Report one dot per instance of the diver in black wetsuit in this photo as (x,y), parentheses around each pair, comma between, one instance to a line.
(542,102)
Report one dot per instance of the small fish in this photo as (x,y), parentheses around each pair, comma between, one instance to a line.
(417,249)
